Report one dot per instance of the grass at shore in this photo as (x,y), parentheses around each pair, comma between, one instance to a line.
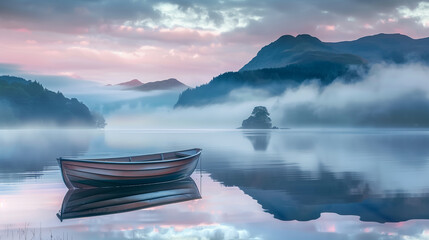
(26,232)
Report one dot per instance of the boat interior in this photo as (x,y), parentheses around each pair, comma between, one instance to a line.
(150,157)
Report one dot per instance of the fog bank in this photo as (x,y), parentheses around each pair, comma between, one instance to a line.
(387,96)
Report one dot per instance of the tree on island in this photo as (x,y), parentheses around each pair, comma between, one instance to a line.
(259,119)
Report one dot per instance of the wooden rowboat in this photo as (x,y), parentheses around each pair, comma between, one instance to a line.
(128,171)
(91,202)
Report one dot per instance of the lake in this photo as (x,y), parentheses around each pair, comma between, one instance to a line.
(273,184)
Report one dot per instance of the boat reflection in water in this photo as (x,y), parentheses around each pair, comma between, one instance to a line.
(79,203)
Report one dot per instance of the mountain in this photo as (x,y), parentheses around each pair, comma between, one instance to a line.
(395,48)
(290,61)
(297,50)
(25,102)
(273,80)
(168,84)
(13,80)
(130,84)
(136,85)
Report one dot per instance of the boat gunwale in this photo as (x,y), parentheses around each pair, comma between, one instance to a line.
(94,160)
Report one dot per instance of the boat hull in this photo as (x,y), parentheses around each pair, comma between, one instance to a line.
(93,174)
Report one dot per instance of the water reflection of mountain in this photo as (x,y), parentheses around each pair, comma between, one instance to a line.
(391,208)
(33,151)
(79,203)
(408,148)
(380,209)
(321,187)
(259,140)
(290,193)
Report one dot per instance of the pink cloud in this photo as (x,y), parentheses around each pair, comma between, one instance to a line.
(176,36)
(368,26)
(22,30)
(31,42)
(111,51)
(70,74)
(108,62)
(331,229)
(84,43)
(330,27)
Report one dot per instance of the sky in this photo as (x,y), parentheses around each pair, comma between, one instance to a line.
(119,40)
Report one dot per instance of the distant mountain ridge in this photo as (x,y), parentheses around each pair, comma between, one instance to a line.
(290,61)
(167,84)
(13,79)
(395,48)
(287,50)
(132,83)
(28,102)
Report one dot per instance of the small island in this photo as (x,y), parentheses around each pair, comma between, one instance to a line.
(259,119)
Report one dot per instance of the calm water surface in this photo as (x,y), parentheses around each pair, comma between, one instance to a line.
(279,184)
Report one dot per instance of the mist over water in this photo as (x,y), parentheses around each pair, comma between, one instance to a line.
(386,96)
(389,96)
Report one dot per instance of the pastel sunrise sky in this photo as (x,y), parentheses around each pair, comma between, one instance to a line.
(193,41)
